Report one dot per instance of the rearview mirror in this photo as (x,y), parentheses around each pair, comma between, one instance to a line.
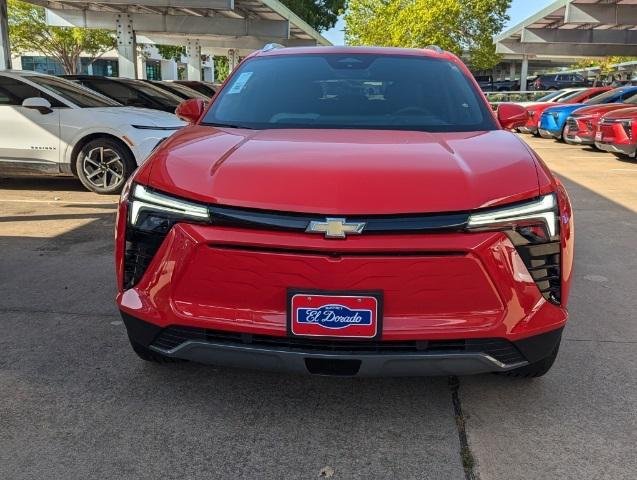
(190,110)
(38,103)
(511,115)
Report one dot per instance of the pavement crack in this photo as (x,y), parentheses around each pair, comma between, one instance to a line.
(596,340)
(466,455)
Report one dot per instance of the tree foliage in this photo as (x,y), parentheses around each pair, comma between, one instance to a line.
(319,14)
(222,68)
(603,63)
(171,52)
(28,32)
(460,26)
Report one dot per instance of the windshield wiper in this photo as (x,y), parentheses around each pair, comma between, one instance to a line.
(225,125)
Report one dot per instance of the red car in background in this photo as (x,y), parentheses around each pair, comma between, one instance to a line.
(578,96)
(581,126)
(347,211)
(617,132)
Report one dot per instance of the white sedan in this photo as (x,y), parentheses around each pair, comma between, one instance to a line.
(52,126)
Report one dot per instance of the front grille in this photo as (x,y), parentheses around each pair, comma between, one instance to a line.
(274,220)
(543,263)
(572,125)
(498,348)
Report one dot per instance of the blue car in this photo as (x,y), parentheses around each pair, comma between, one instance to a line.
(553,120)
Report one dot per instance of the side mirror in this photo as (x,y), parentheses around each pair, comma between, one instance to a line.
(511,115)
(190,110)
(38,103)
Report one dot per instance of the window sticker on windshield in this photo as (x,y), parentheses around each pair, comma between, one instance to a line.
(240,82)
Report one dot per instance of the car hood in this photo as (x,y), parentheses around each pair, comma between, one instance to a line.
(600,109)
(138,116)
(541,105)
(626,112)
(568,108)
(345,171)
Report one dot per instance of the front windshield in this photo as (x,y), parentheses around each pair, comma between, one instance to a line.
(367,91)
(181,90)
(163,97)
(604,97)
(631,98)
(550,96)
(76,94)
(569,96)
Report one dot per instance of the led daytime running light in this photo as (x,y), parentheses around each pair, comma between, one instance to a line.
(544,209)
(144,199)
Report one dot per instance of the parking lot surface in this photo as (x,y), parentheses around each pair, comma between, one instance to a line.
(75,402)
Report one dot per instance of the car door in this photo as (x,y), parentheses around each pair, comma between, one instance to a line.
(30,139)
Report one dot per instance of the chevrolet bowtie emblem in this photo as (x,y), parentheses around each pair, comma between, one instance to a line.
(336,227)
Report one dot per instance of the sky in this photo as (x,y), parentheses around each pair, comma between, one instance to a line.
(519,10)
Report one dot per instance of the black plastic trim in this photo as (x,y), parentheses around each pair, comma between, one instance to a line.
(140,331)
(263,219)
(539,347)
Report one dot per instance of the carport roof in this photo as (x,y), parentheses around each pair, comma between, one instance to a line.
(575,28)
(244,24)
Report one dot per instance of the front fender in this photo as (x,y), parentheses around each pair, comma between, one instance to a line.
(73,136)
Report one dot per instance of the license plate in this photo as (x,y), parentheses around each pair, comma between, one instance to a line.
(598,136)
(338,315)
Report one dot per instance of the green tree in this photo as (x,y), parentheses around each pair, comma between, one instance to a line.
(171,52)
(222,68)
(603,63)
(28,32)
(460,26)
(319,14)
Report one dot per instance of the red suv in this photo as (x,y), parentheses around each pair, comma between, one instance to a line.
(347,211)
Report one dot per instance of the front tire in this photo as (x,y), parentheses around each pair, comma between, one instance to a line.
(103,165)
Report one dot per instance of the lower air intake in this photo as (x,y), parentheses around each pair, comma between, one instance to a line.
(498,348)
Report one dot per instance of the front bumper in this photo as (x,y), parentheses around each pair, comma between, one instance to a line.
(544,133)
(460,357)
(628,150)
(579,140)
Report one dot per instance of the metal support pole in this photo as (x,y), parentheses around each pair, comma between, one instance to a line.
(126,46)
(5,51)
(169,70)
(524,73)
(233,59)
(193,52)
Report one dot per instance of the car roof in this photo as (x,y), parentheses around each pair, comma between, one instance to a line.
(416,52)
(24,73)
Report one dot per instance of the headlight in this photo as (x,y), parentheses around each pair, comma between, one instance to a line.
(533,228)
(541,212)
(151,215)
(627,125)
(152,211)
(556,116)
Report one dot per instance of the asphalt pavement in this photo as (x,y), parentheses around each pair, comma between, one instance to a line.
(75,402)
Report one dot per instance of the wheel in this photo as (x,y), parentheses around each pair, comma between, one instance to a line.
(562,136)
(149,355)
(103,165)
(536,369)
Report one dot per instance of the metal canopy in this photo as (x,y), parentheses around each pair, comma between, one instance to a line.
(239,24)
(575,28)
(205,27)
